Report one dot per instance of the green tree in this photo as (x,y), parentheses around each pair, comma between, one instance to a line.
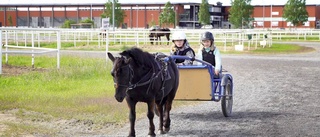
(67,23)
(119,14)
(167,16)
(10,20)
(295,12)
(204,15)
(240,13)
(87,21)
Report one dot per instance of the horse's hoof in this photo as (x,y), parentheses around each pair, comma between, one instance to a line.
(167,129)
(161,132)
(151,135)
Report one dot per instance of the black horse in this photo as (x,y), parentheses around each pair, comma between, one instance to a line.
(156,34)
(142,77)
(104,34)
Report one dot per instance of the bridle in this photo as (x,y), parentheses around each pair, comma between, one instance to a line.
(131,86)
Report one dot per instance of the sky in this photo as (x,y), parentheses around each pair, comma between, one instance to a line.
(224,2)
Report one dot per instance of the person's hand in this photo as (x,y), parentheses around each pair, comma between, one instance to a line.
(216,72)
(174,49)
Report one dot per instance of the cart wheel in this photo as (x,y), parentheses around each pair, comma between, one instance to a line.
(227,99)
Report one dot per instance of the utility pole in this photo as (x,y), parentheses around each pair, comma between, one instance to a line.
(137,15)
(113,15)
(271,16)
(91,11)
(263,14)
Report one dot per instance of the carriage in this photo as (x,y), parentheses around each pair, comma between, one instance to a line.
(139,77)
(197,83)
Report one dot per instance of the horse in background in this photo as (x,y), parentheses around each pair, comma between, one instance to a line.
(143,77)
(103,33)
(156,34)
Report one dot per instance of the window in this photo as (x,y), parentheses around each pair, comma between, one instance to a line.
(259,23)
(215,9)
(289,24)
(274,23)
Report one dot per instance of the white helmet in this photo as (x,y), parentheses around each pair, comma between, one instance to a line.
(179,35)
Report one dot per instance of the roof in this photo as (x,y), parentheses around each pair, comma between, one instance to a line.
(138,2)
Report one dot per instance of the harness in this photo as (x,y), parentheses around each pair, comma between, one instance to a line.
(163,69)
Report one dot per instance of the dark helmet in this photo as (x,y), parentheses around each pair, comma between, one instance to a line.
(207,36)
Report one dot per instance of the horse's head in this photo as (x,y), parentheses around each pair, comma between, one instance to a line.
(122,74)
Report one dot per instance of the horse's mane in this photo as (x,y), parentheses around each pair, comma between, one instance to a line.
(140,57)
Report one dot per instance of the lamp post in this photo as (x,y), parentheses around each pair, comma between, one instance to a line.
(271,16)
(91,11)
(175,17)
(263,13)
(137,16)
(113,15)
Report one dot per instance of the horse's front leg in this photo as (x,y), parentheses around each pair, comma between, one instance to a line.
(167,120)
(160,110)
(132,116)
(150,115)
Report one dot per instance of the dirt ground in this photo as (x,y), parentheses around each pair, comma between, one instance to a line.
(274,95)
(9,70)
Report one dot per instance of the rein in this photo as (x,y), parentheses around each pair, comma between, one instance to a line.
(131,75)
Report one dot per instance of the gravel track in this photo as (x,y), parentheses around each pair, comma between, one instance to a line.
(274,95)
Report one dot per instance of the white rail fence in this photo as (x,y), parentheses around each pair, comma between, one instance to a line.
(9,49)
(19,38)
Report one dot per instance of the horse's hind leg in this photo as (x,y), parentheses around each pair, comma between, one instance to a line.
(150,115)
(167,120)
(160,110)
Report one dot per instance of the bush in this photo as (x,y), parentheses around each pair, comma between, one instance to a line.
(67,23)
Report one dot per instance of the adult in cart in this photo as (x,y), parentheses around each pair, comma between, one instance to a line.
(210,53)
(181,47)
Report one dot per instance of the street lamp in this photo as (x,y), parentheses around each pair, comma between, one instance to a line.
(263,13)
(137,15)
(271,16)
(175,17)
(113,15)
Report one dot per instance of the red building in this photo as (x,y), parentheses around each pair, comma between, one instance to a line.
(270,16)
(141,15)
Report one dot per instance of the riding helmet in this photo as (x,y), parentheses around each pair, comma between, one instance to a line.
(178,36)
(207,36)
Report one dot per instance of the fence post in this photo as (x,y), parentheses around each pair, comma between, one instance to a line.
(58,48)
(107,44)
(7,46)
(32,42)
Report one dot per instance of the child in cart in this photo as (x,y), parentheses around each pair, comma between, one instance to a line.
(210,53)
(181,47)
